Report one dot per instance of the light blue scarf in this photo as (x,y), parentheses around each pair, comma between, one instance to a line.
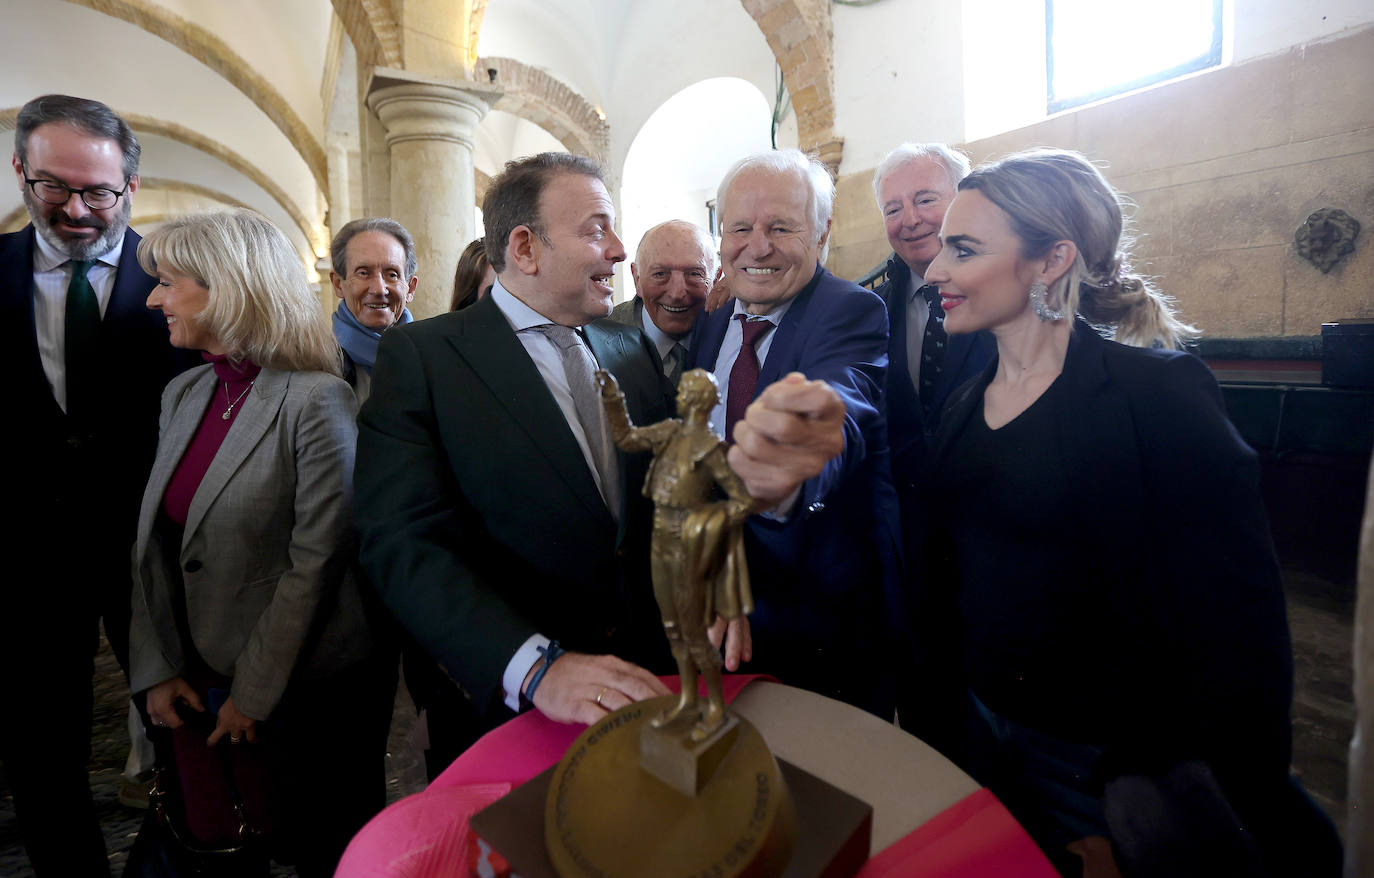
(358,341)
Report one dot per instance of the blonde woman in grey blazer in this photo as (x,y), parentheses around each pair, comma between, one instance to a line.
(248,634)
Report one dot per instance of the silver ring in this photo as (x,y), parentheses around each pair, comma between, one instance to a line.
(598,697)
(234,739)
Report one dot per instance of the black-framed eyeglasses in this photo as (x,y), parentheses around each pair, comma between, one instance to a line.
(95,197)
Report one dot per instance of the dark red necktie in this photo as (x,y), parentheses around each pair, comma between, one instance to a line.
(744,375)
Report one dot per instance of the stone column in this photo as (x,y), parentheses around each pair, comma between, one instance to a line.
(340,182)
(430,125)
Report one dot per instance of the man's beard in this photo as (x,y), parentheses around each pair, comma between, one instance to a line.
(79,250)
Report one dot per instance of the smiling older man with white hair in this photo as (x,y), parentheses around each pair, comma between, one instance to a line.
(673,269)
(802,357)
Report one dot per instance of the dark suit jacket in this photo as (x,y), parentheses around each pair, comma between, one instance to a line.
(826,582)
(628,311)
(910,436)
(81,475)
(481,524)
(1166,498)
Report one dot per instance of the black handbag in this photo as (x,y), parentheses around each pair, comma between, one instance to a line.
(165,849)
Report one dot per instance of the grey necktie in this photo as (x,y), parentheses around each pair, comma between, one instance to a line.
(677,356)
(579,366)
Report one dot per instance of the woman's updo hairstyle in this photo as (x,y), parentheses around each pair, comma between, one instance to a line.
(1052,195)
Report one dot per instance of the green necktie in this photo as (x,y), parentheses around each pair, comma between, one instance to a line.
(83,322)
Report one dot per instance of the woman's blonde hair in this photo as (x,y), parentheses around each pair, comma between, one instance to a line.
(1054,195)
(261,306)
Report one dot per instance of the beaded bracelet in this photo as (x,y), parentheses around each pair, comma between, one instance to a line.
(551,654)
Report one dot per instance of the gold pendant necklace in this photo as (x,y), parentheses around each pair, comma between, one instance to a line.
(230,411)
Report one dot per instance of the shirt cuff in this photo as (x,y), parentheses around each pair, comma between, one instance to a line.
(519,666)
(783,511)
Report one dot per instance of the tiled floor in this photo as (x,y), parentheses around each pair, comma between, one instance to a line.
(1319,613)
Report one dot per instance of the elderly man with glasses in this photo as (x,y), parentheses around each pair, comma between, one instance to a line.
(85,363)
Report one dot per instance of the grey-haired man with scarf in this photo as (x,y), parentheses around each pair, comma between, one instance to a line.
(373,273)
(373,262)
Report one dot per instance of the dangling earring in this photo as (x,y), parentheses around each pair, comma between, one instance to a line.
(1038,291)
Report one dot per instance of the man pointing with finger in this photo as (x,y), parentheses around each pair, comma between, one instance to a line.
(802,357)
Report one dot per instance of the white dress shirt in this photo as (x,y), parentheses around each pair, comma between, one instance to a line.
(729,352)
(52,272)
(725,361)
(663,342)
(549,361)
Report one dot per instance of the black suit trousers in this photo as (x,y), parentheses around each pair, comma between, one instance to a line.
(45,742)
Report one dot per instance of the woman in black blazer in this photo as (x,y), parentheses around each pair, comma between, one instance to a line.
(1105,547)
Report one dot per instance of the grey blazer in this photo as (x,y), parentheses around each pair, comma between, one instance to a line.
(267,554)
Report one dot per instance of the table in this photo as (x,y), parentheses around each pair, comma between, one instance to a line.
(929,818)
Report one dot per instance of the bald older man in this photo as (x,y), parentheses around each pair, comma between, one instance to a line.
(673,268)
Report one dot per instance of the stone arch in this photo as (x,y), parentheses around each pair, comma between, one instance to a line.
(172,131)
(798,32)
(373,28)
(19,217)
(164,184)
(534,95)
(481,183)
(216,54)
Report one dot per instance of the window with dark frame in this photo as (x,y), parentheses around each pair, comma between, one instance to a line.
(1095,49)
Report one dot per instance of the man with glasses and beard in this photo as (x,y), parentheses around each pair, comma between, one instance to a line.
(85,363)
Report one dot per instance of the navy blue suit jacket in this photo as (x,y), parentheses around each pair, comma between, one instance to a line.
(827,582)
(83,475)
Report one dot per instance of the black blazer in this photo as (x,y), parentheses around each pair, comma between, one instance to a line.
(83,476)
(1166,494)
(480,522)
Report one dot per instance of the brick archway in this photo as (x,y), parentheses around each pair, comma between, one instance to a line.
(799,33)
(534,95)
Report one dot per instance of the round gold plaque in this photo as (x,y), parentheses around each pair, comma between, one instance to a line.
(606,817)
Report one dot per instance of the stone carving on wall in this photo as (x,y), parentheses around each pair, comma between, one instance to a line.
(1326,237)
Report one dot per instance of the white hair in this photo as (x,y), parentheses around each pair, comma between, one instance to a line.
(708,244)
(788,161)
(955,163)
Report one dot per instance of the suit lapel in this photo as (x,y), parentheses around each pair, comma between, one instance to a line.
(903,406)
(490,347)
(783,353)
(259,412)
(171,448)
(957,352)
(129,296)
(16,311)
(707,337)
(956,418)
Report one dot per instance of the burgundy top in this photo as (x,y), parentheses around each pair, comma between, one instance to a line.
(232,387)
